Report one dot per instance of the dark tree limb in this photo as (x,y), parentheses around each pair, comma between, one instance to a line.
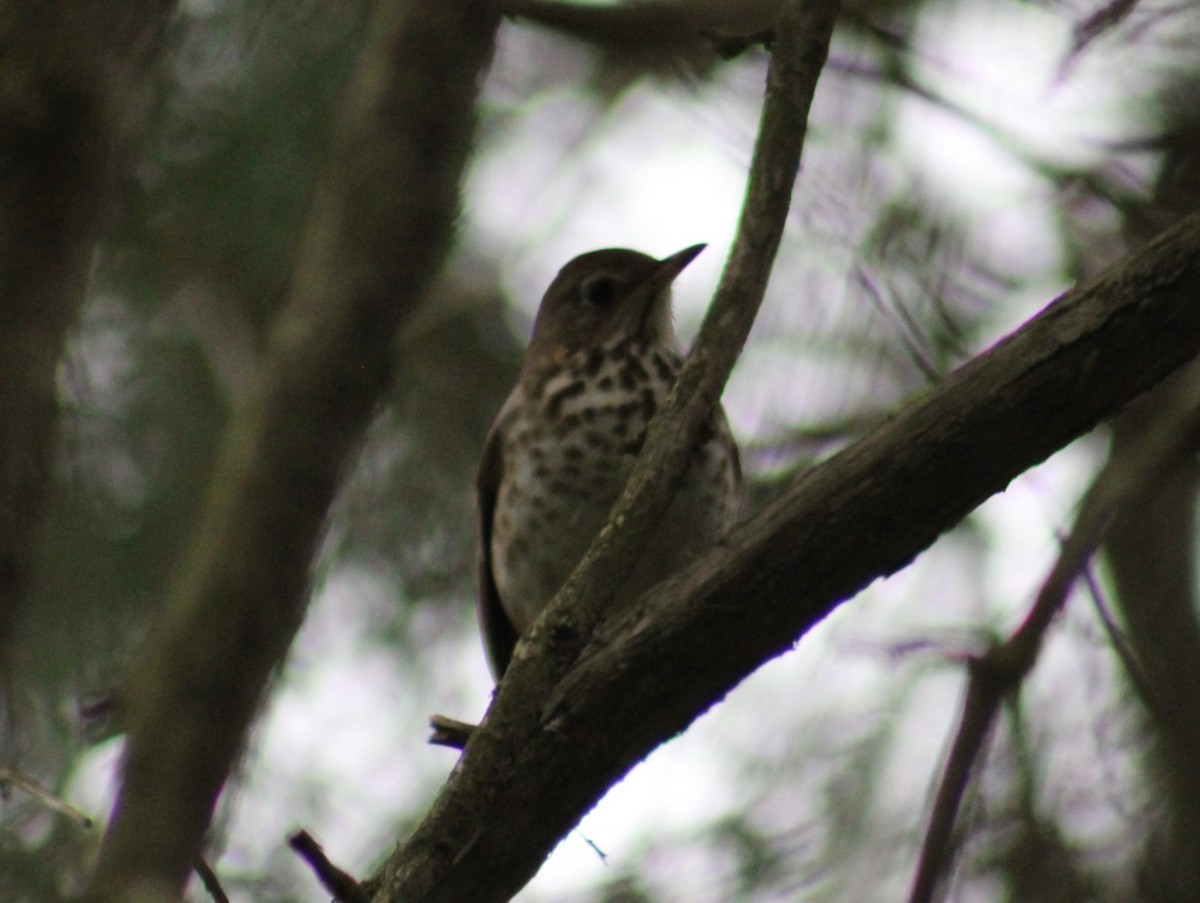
(1134,469)
(653,34)
(68,79)
(463,850)
(376,237)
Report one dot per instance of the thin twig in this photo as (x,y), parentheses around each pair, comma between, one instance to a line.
(44,796)
(450,732)
(344,886)
(211,882)
(595,847)
(1141,684)
(1103,20)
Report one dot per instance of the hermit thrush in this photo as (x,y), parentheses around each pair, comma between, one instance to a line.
(602,359)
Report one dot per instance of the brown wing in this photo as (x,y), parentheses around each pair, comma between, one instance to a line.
(499,634)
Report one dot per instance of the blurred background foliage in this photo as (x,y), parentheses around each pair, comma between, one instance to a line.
(966,162)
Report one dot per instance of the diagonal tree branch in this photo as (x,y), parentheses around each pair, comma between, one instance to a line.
(466,848)
(378,231)
(1132,471)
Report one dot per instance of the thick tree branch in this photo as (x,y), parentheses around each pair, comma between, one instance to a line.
(1134,469)
(464,850)
(376,236)
(68,78)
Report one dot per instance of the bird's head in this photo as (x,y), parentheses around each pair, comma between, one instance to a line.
(605,297)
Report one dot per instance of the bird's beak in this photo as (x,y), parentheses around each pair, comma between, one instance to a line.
(655,317)
(670,267)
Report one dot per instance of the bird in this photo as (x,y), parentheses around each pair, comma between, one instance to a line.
(601,361)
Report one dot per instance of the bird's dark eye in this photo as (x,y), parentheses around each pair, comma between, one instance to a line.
(598,291)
